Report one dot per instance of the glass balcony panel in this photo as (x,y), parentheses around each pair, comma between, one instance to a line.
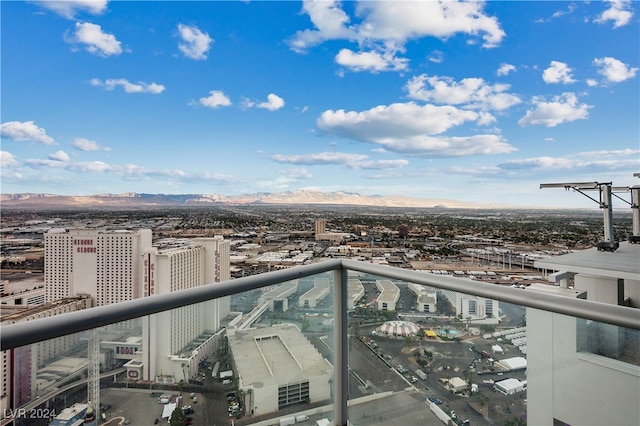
(419,355)
(270,356)
(608,341)
(571,360)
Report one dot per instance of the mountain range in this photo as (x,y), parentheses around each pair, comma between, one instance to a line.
(305,197)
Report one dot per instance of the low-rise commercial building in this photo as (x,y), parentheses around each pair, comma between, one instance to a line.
(389,295)
(426,298)
(278,367)
(320,291)
(510,386)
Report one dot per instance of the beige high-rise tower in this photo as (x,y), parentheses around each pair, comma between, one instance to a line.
(103,264)
(320,226)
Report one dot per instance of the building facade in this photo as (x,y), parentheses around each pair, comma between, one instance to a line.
(426,298)
(20,365)
(115,266)
(279,368)
(474,308)
(174,342)
(103,264)
(583,360)
(320,227)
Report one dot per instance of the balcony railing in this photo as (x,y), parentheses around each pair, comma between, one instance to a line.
(21,334)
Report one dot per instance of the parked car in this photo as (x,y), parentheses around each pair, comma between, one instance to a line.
(435,400)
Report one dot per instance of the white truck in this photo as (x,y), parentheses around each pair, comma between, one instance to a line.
(286,421)
(421,374)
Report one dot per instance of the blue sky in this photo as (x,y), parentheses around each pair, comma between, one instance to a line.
(476,102)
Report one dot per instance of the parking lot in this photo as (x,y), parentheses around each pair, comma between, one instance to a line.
(449,359)
(140,407)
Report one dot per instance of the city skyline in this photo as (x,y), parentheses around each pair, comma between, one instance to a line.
(477,102)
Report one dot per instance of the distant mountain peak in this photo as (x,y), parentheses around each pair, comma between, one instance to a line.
(300,196)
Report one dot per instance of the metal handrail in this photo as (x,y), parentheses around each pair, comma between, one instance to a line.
(40,329)
(20,334)
(580,308)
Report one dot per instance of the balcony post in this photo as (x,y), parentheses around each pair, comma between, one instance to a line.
(340,346)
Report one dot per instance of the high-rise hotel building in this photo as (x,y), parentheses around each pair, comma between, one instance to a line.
(115,266)
(195,329)
(104,264)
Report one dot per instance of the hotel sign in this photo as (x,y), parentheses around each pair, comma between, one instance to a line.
(84,245)
(125,350)
(149,275)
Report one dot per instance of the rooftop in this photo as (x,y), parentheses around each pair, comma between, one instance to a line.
(622,263)
(275,355)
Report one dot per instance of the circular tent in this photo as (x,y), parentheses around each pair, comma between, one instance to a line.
(397,329)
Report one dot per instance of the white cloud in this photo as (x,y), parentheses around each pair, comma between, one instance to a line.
(320,158)
(619,12)
(83,144)
(505,69)
(557,14)
(610,153)
(195,44)
(90,166)
(69,8)
(561,109)
(478,171)
(9,167)
(7,160)
(408,128)
(139,87)
(59,156)
(215,99)
(61,161)
(378,164)
(538,163)
(273,103)
(41,164)
(285,179)
(386,26)
(591,82)
(558,72)
(95,40)
(330,21)
(402,21)
(614,70)
(370,61)
(548,164)
(127,171)
(449,146)
(133,171)
(470,92)
(436,57)
(219,178)
(397,120)
(560,13)
(351,161)
(25,131)
(296,174)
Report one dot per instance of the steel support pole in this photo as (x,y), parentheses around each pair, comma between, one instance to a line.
(605,197)
(635,209)
(340,346)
